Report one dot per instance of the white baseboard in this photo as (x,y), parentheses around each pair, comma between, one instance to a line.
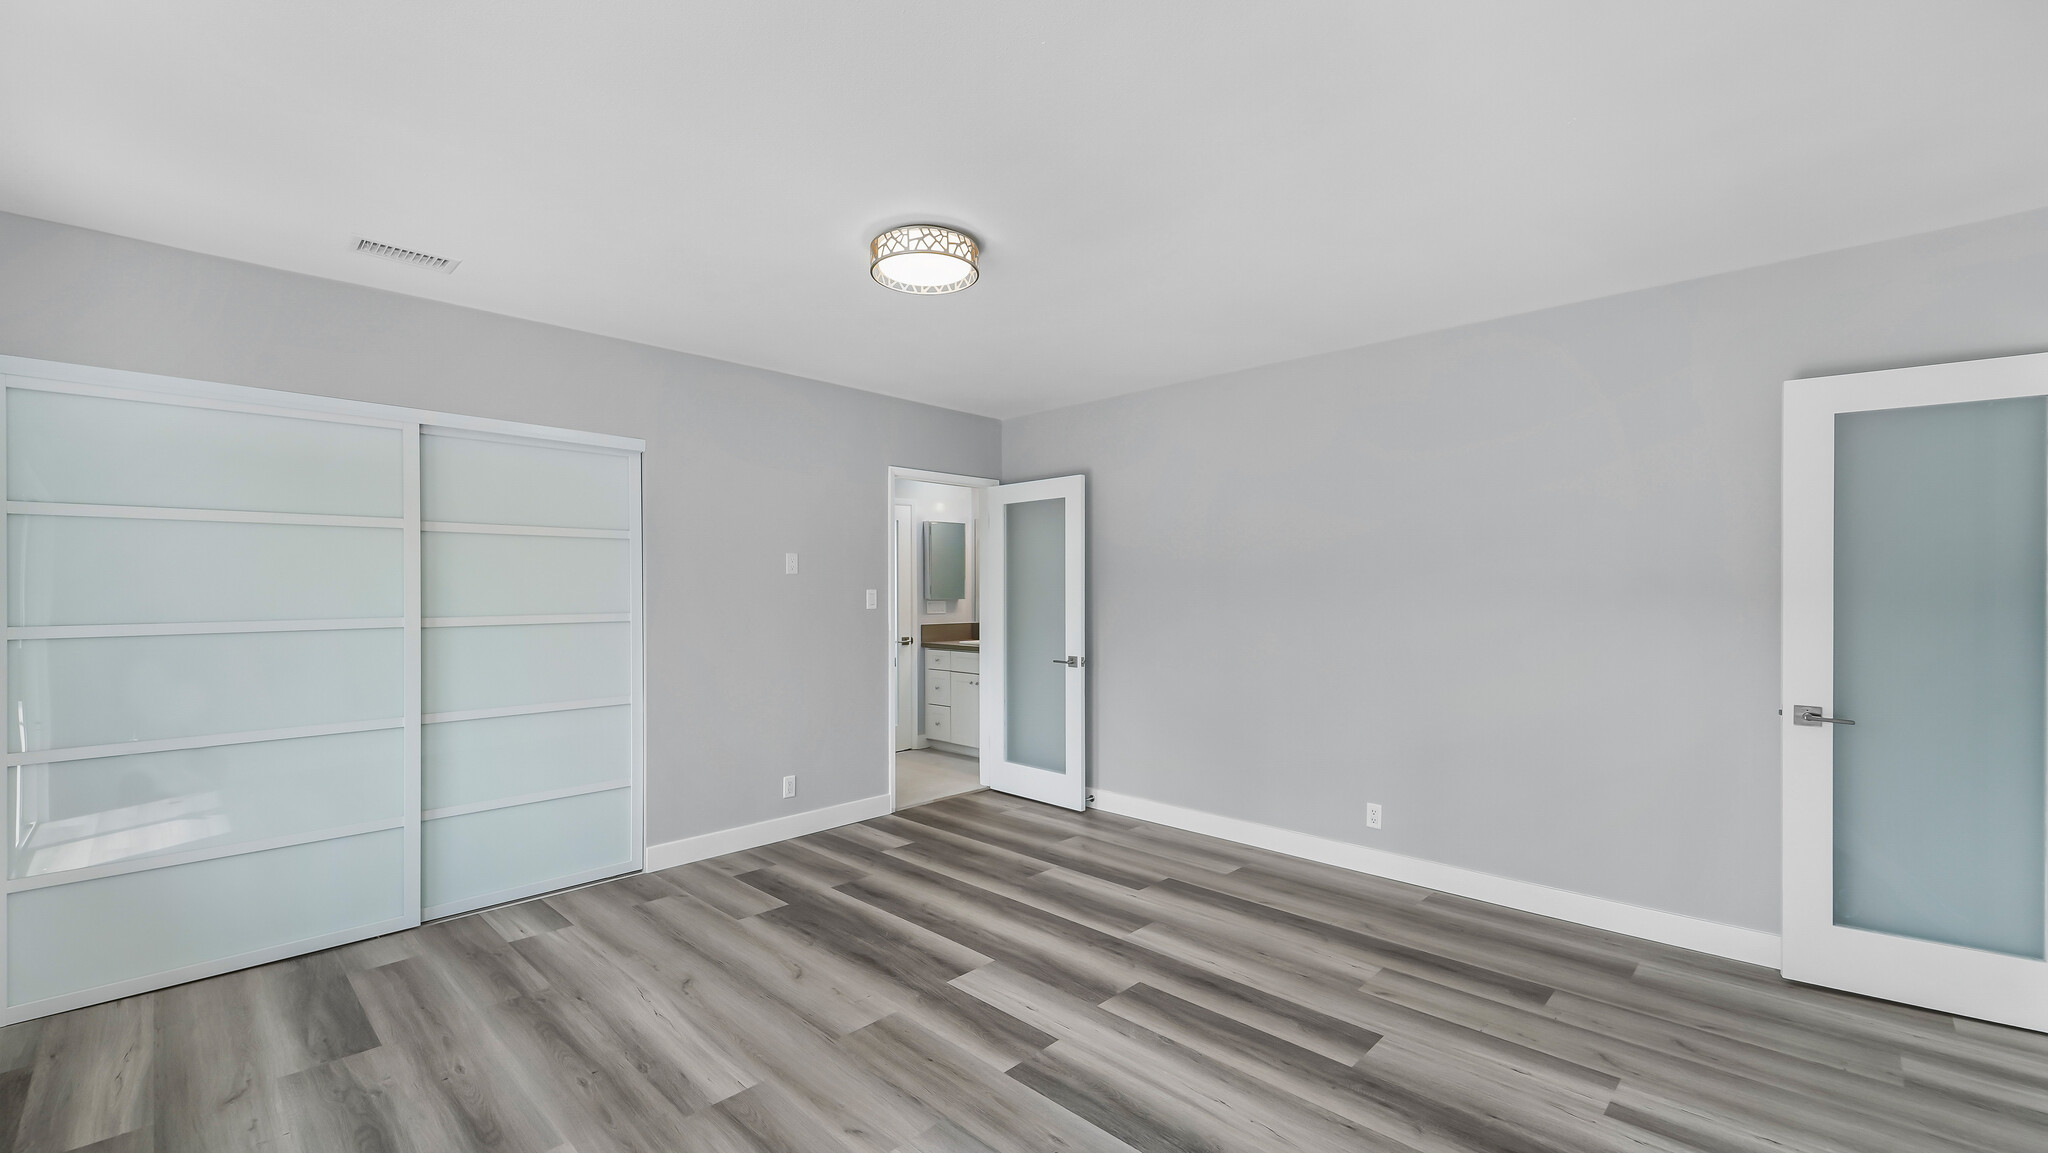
(669,854)
(1732,941)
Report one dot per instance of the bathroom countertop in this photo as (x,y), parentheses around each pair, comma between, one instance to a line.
(958,646)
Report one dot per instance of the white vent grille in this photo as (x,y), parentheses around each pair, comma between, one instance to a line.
(426,260)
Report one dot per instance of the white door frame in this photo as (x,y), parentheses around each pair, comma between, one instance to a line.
(889,505)
(905,521)
(1948,978)
(998,771)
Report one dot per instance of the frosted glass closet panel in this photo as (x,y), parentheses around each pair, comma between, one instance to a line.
(476,481)
(206,690)
(74,570)
(65,448)
(107,809)
(471,574)
(81,691)
(528,668)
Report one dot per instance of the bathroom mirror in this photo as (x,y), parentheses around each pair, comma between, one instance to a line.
(945,560)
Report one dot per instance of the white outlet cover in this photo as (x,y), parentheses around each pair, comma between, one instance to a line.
(789,786)
(1372,816)
(789,563)
(871,598)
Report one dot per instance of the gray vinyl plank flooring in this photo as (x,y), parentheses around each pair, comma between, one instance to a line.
(982,974)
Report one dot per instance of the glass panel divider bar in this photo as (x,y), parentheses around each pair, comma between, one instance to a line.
(530,619)
(527,530)
(207,741)
(523,710)
(526,799)
(195,628)
(220,515)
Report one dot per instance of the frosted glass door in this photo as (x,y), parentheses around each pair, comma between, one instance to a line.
(206,687)
(1034,642)
(529,671)
(1923,877)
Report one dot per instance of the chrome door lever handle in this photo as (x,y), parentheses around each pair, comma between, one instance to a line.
(1810,716)
(903,640)
(1070,662)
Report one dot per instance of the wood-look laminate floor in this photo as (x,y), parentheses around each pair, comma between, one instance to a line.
(985,974)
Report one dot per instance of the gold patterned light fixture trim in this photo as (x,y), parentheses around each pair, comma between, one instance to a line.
(926,259)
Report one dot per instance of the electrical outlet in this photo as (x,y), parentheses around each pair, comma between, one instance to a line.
(1372,815)
(871,598)
(788,787)
(789,564)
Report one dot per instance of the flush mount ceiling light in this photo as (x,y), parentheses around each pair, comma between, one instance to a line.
(925,259)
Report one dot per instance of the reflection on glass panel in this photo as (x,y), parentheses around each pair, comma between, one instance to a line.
(512,849)
(498,666)
(1941,518)
(99,690)
(66,938)
(1035,583)
(470,762)
(77,814)
(945,560)
(496,482)
(93,450)
(64,570)
(487,575)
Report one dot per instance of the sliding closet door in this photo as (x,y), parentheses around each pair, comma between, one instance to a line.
(531,667)
(209,752)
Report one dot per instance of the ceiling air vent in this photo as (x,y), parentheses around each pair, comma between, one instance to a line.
(426,260)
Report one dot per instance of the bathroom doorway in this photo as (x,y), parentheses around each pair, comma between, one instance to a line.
(935,534)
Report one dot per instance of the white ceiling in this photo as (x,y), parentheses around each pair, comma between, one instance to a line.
(1163,190)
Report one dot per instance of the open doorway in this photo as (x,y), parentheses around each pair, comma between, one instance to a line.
(935,536)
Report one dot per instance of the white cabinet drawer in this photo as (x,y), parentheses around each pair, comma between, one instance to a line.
(938,722)
(938,688)
(938,659)
(966,662)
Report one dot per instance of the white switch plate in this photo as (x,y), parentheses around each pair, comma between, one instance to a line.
(788,787)
(871,598)
(1372,815)
(789,563)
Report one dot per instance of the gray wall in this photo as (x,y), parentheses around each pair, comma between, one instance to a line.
(1517,582)
(750,674)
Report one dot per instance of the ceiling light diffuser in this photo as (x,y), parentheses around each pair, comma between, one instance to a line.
(925,259)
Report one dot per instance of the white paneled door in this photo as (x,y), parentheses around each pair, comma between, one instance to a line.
(235,621)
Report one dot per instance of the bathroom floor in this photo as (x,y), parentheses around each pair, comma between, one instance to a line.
(924,775)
